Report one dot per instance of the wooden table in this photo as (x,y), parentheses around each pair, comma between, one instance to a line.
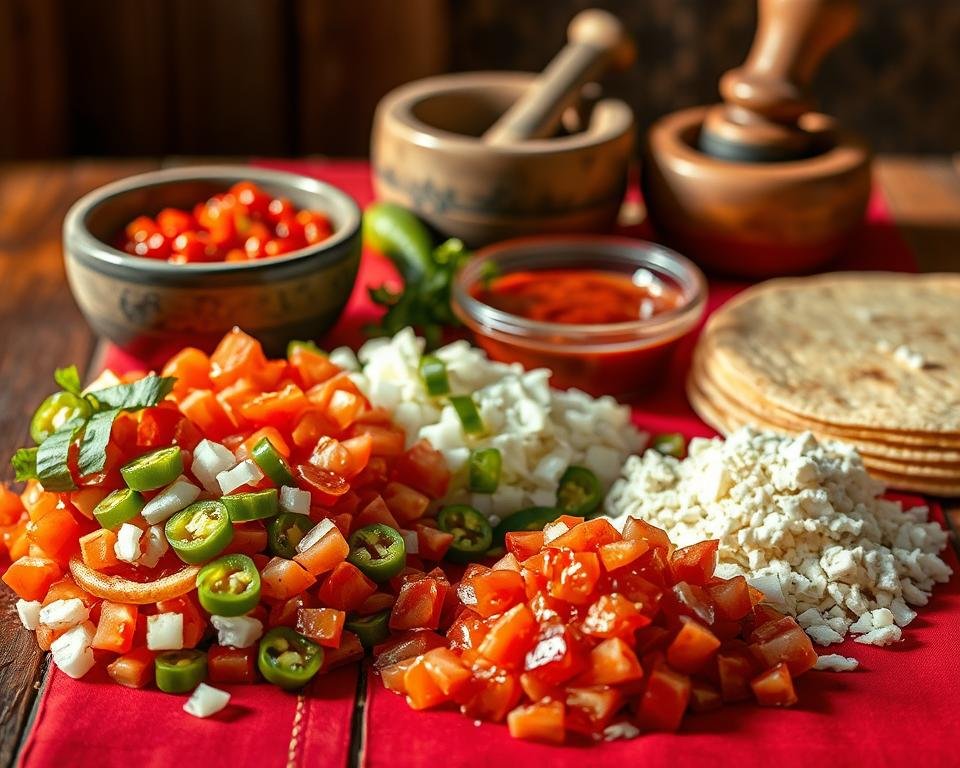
(41,329)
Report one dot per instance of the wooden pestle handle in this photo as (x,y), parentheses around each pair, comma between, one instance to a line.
(596,41)
(793,36)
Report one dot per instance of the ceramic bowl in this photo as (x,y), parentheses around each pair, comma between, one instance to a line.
(427,155)
(150,308)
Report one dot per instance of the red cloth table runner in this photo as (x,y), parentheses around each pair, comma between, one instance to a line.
(897,708)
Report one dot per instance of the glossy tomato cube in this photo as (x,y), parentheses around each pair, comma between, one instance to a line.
(346,588)
(509,638)
(693,646)
(665,699)
(572,576)
(419,605)
(524,544)
(656,538)
(587,536)
(493,592)
(322,625)
(774,687)
(405,645)
(590,710)
(612,662)
(492,694)
(557,654)
(791,645)
(423,468)
(731,597)
(695,564)
(543,721)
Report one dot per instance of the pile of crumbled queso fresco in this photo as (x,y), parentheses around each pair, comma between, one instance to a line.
(802,520)
(538,430)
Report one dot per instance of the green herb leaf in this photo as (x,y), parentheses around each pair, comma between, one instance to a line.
(93,445)
(144,393)
(53,470)
(24,463)
(69,379)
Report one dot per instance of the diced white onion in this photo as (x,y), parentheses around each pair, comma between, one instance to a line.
(294,500)
(165,632)
(237,631)
(206,700)
(29,613)
(61,614)
(554,530)
(209,460)
(314,535)
(411,542)
(71,651)
(180,494)
(245,473)
(127,547)
(155,546)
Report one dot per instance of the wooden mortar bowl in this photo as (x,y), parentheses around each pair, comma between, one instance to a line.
(754,219)
(427,156)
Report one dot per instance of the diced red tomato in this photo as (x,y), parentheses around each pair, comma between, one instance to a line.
(31,577)
(543,721)
(656,538)
(510,638)
(695,564)
(97,549)
(693,647)
(665,699)
(133,669)
(115,627)
(613,616)
(346,588)
(376,511)
(423,468)
(731,597)
(231,666)
(406,504)
(556,655)
(524,544)
(349,650)
(56,533)
(790,645)
(774,688)
(281,579)
(324,555)
(432,543)
(406,645)
(493,695)
(492,592)
(590,710)
(322,625)
(418,605)
(612,662)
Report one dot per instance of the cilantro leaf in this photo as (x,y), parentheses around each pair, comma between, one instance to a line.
(53,469)
(24,463)
(143,393)
(93,444)
(69,379)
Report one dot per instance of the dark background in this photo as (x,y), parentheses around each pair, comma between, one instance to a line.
(289,77)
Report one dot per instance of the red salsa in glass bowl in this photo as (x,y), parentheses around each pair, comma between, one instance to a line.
(603,313)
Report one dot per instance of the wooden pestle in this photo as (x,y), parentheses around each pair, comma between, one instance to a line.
(596,42)
(765,99)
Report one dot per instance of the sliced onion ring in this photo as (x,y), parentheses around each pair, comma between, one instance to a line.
(120,590)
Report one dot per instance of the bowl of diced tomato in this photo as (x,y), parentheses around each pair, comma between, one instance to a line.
(180,256)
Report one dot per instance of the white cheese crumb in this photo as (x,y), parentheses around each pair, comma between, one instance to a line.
(209,460)
(127,546)
(237,631)
(802,520)
(71,651)
(245,473)
(621,730)
(909,357)
(29,613)
(834,662)
(881,636)
(180,494)
(61,614)
(206,700)
(294,500)
(165,632)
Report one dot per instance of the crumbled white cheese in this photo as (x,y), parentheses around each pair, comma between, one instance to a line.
(127,546)
(29,613)
(294,500)
(245,473)
(909,357)
(834,662)
(209,460)
(621,730)
(61,614)
(802,520)
(180,494)
(538,430)
(237,631)
(206,700)
(165,632)
(155,546)
(71,651)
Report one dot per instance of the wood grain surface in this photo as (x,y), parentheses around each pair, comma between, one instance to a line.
(41,329)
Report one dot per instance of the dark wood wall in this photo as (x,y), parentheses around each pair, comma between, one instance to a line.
(286,77)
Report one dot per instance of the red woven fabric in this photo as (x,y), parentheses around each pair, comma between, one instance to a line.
(899,707)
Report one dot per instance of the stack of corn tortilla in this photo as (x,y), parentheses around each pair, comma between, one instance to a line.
(868,358)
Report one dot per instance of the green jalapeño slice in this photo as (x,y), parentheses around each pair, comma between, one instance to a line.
(229,586)
(288,659)
(472,534)
(56,411)
(200,532)
(372,630)
(154,470)
(529,519)
(285,531)
(271,463)
(378,551)
(118,507)
(255,505)
(579,493)
(180,671)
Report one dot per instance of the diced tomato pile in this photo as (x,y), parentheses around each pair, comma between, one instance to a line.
(242,224)
(346,454)
(578,627)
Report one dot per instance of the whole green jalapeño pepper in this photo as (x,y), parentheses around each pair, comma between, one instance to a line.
(200,532)
(472,534)
(378,551)
(288,659)
(229,586)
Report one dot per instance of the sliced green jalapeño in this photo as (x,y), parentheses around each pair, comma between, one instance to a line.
(153,470)
(472,534)
(579,492)
(378,551)
(288,659)
(180,671)
(229,586)
(200,532)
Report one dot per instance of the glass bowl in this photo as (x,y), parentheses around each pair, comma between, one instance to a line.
(622,358)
